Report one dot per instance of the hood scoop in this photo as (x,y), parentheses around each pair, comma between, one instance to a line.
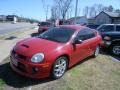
(26,46)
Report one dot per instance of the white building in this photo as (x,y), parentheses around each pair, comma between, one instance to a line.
(79,20)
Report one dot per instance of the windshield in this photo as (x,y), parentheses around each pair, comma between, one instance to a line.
(45,24)
(60,34)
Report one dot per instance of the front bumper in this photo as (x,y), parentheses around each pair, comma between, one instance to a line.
(106,43)
(30,69)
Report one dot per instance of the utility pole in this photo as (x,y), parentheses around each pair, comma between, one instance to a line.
(76,7)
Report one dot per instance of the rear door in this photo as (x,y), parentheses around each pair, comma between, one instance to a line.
(92,40)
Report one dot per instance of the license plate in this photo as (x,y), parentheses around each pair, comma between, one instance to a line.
(14,61)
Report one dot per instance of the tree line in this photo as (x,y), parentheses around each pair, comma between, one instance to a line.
(92,11)
(63,9)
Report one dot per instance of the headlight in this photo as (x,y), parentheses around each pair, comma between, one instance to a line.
(107,38)
(37,58)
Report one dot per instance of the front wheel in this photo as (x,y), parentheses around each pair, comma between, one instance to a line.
(115,49)
(59,67)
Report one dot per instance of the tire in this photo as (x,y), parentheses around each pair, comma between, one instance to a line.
(97,51)
(115,49)
(59,67)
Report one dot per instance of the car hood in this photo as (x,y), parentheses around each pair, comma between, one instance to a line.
(31,46)
(44,27)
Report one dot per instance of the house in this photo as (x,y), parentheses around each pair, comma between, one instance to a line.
(79,20)
(2,18)
(107,18)
(12,18)
(91,20)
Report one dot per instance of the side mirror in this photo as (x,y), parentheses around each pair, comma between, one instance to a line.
(78,41)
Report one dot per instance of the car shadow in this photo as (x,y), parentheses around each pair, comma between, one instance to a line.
(13,79)
(17,81)
(105,51)
(10,38)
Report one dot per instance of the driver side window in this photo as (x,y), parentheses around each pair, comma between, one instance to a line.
(81,35)
(85,34)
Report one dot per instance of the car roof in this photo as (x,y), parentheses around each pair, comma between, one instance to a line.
(75,27)
(110,24)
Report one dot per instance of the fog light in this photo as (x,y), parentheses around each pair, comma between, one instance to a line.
(35,70)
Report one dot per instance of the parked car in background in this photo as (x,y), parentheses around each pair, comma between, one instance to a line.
(111,37)
(43,26)
(54,51)
(92,26)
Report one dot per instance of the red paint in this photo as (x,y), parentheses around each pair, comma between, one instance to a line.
(52,50)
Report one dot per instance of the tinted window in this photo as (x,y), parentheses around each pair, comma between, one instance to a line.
(118,28)
(85,34)
(106,28)
(45,24)
(62,35)
(92,26)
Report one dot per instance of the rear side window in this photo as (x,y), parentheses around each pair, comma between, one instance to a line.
(85,34)
(118,28)
(106,28)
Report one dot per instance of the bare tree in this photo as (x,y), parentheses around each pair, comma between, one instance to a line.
(69,13)
(110,8)
(92,12)
(45,7)
(117,11)
(62,7)
(100,8)
(86,11)
(53,13)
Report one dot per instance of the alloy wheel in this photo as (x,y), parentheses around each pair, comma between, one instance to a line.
(59,67)
(116,50)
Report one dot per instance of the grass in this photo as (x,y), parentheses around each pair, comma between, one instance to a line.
(100,73)
(1,84)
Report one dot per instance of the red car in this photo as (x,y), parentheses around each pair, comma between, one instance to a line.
(43,26)
(54,51)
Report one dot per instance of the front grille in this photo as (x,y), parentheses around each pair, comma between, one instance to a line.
(21,67)
(16,55)
(21,56)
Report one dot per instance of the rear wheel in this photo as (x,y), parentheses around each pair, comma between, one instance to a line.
(59,67)
(115,49)
(97,51)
